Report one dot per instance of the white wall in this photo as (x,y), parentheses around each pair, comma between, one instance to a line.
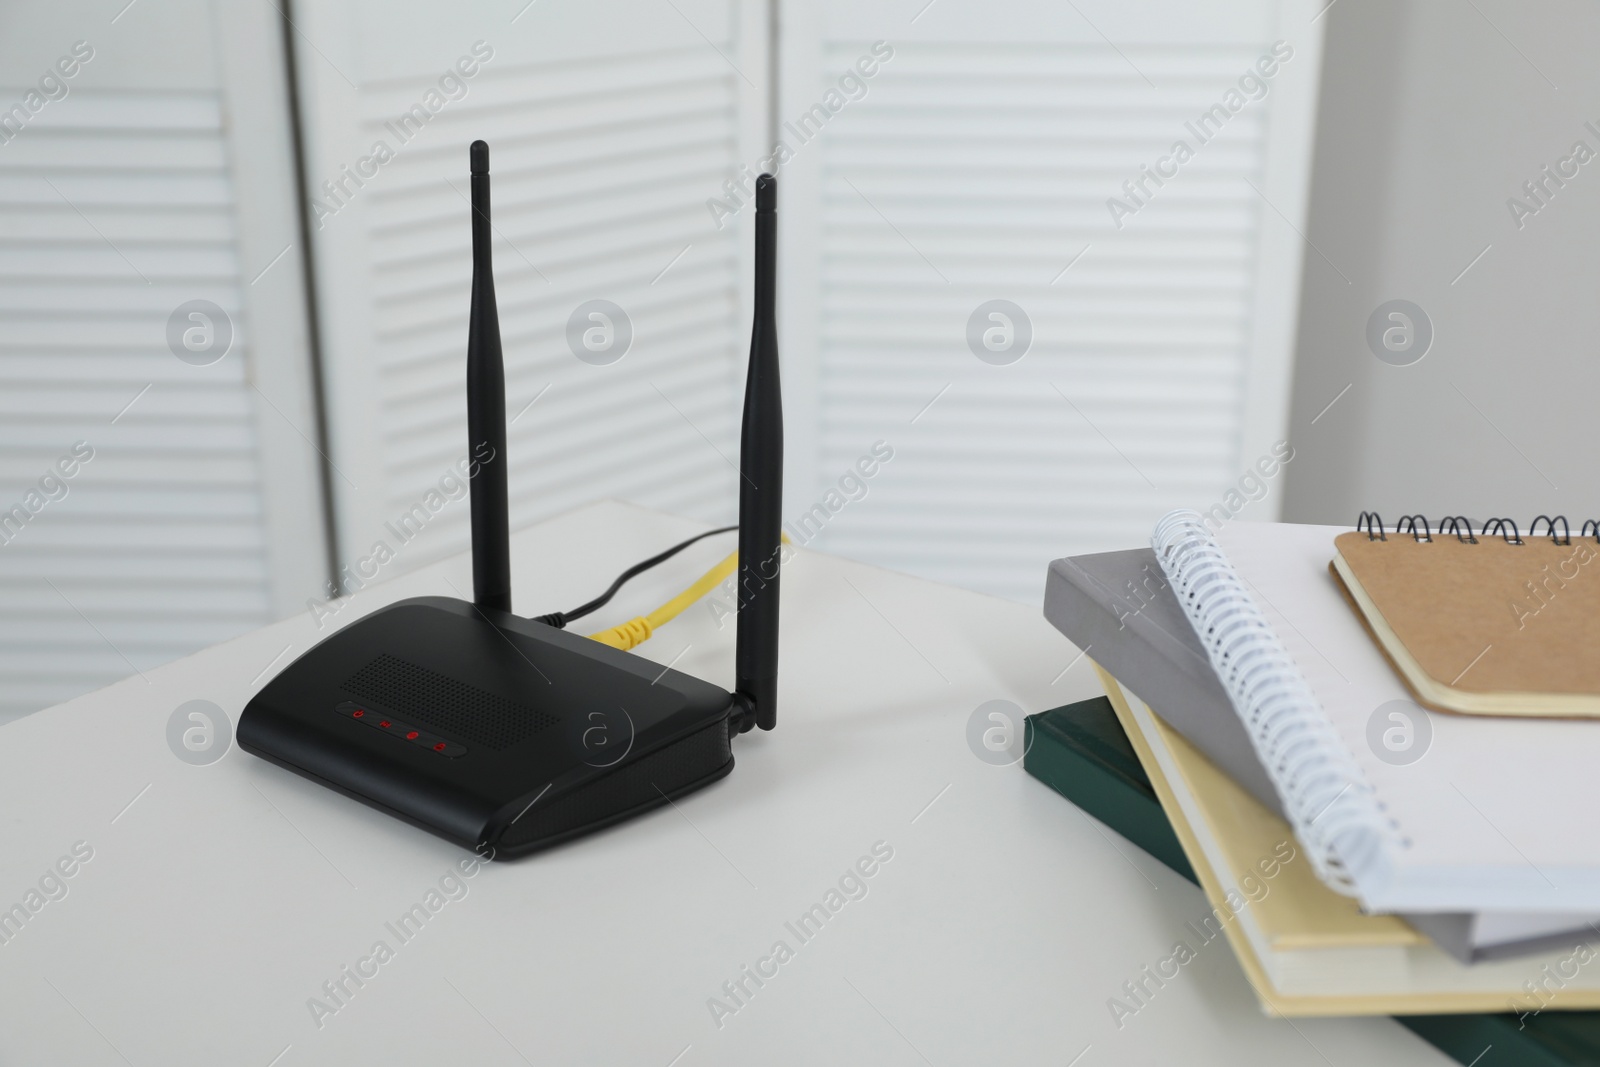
(1432,115)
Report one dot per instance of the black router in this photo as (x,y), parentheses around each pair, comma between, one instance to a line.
(507,734)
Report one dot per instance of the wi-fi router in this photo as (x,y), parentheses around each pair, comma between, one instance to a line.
(505,734)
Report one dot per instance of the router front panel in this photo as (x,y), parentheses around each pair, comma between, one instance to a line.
(429,710)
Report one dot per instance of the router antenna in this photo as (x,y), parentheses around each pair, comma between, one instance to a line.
(761,482)
(486,410)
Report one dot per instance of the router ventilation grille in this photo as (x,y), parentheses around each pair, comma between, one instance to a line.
(432,699)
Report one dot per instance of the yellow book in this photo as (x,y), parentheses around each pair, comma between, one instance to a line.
(1305,949)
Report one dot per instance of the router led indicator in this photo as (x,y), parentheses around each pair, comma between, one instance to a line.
(447,749)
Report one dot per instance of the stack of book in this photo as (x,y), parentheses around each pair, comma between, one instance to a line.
(1371,749)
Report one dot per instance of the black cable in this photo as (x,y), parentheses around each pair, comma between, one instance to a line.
(559,619)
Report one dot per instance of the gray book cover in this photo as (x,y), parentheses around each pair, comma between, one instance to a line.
(1119,608)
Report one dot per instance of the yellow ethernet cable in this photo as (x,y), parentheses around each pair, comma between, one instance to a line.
(637,631)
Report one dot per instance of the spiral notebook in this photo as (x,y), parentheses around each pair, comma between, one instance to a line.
(1491,623)
(1476,813)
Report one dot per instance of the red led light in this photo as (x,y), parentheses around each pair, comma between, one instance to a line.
(375,718)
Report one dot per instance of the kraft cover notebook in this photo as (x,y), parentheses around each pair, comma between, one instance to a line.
(1306,949)
(1105,779)
(1486,623)
(1477,814)
(1120,608)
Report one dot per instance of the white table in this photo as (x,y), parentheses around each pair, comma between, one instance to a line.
(220,898)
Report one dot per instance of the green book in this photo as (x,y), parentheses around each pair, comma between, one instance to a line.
(1082,753)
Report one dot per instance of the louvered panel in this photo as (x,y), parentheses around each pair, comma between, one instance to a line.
(681,320)
(142,566)
(974,171)
(580,418)
(601,173)
(114,598)
(174,192)
(158,547)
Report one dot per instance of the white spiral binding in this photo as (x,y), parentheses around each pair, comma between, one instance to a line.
(1331,807)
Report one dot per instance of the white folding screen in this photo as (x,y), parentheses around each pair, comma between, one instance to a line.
(977,162)
(935,157)
(610,127)
(152,504)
